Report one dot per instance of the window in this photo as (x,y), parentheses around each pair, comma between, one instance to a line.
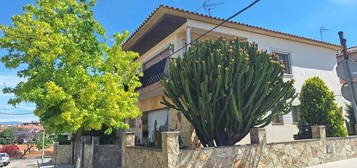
(295,113)
(154,69)
(154,121)
(285,58)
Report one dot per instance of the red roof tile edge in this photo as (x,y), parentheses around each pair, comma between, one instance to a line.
(221,19)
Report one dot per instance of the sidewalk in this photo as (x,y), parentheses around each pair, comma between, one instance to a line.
(349,163)
(48,164)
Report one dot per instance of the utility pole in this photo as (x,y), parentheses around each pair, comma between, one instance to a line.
(347,70)
(43,146)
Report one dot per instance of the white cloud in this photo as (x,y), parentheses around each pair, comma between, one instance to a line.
(10,81)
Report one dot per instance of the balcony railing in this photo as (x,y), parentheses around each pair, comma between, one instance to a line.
(154,73)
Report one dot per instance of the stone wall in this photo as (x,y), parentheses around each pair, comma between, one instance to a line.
(94,154)
(178,122)
(63,154)
(108,156)
(301,153)
(165,157)
(149,157)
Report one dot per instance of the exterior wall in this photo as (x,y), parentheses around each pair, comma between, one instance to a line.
(63,154)
(302,153)
(151,158)
(166,157)
(94,155)
(178,122)
(276,133)
(307,60)
(108,156)
(290,154)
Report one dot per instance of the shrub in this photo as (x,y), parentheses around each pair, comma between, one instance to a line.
(12,150)
(318,107)
(226,87)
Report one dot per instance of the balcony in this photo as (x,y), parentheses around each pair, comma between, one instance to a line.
(154,73)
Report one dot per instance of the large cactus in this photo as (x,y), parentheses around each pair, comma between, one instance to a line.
(226,87)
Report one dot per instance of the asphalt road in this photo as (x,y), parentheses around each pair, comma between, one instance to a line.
(22,163)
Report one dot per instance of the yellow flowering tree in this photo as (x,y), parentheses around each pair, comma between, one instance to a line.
(76,80)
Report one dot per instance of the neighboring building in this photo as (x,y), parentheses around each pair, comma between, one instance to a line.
(168,29)
(352,53)
(35,126)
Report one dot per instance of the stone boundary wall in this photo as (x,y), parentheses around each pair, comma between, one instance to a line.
(63,154)
(94,154)
(152,158)
(135,157)
(108,156)
(301,153)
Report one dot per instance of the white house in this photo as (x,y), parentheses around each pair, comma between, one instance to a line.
(168,29)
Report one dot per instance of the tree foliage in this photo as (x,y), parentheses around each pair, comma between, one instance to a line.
(11,136)
(350,115)
(226,87)
(318,107)
(76,80)
(44,142)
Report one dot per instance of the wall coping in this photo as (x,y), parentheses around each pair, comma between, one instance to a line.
(341,138)
(273,143)
(296,141)
(108,145)
(144,148)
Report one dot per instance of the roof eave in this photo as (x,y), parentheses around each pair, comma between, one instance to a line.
(161,10)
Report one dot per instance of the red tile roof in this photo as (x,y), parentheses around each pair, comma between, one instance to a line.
(221,19)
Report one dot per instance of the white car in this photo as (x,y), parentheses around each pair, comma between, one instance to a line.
(5,159)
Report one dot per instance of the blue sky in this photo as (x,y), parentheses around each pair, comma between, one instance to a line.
(300,17)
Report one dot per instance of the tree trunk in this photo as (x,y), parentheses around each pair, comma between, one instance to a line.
(78,149)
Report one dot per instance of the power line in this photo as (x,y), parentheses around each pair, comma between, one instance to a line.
(15,113)
(224,21)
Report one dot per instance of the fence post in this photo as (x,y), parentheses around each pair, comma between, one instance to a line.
(258,136)
(170,147)
(128,139)
(318,132)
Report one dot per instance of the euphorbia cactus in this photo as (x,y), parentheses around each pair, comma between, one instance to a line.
(226,87)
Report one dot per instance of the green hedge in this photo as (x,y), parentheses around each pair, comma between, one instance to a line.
(318,107)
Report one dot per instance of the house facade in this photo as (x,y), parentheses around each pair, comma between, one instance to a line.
(168,29)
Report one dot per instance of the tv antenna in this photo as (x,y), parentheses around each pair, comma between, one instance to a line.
(322,30)
(210,6)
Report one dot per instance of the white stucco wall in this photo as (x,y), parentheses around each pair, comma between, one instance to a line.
(307,60)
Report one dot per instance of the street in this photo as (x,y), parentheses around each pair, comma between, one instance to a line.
(22,163)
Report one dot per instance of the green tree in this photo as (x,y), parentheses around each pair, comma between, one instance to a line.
(226,87)
(76,80)
(11,136)
(350,115)
(47,141)
(318,107)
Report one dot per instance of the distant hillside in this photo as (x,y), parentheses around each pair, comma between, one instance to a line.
(10,123)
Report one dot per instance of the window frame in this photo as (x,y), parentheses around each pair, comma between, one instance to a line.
(297,114)
(288,54)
